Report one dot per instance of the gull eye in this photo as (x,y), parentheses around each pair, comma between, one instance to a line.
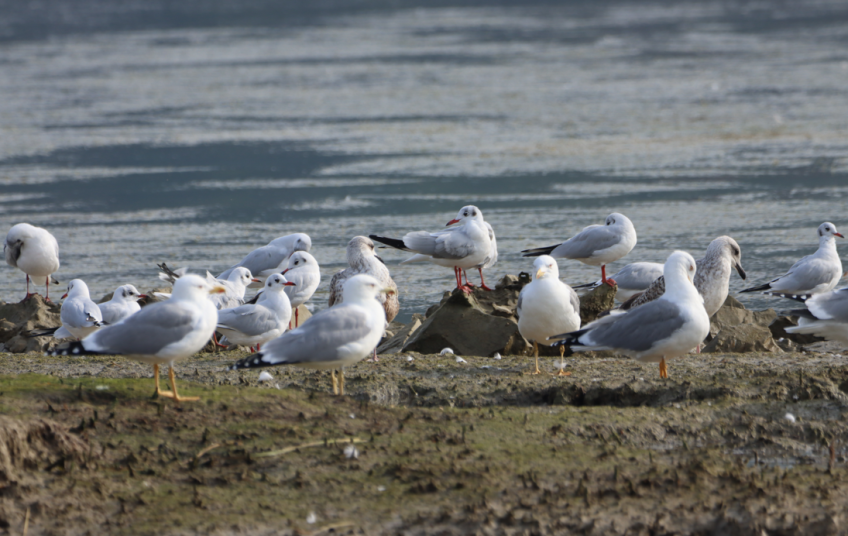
(465,214)
(473,212)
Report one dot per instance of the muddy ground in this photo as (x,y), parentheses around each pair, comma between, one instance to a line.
(441,447)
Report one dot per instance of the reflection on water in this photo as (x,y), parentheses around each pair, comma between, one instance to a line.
(145,132)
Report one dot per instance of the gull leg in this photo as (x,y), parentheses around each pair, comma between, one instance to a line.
(467,284)
(608,280)
(296,318)
(536,355)
(663,369)
(375,358)
(159,392)
(47,289)
(177,397)
(698,349)
(335,383)
(215,340)
(258,347)
(561,362)
(341,381)
(482,281)
(28,294)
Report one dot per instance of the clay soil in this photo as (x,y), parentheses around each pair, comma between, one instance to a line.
(440,447)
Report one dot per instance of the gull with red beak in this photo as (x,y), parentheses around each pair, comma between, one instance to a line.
(124,302)
(595,245)
(813,274)
(254,324)
(80,316)
(305,273)
(468,245)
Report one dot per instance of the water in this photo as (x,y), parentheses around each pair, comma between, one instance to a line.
(142,132)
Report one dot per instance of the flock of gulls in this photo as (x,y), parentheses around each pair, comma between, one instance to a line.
(664,309)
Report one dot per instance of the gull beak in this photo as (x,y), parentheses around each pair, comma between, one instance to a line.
(141,296)
(289,284)
(284,271)
(452,222)
(540,273)
(740,271)
(387,290)
(65,295)
(217,289)
(255,280)
(839,235)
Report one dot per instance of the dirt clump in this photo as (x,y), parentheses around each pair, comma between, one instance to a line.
(17,319)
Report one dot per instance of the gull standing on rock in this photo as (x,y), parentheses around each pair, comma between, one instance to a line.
(634,278)
(547,307)
(254,324)
(34,251)
(334,338)
(160,333)
(465,246)
(124,302)
(595,245)
(80,316)
(813,274)
(712,278)
(665,328)
(271,259)
(362,259)
(305,273)
(826,316)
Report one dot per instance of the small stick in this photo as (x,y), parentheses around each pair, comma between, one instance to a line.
(26,521)
(326,442)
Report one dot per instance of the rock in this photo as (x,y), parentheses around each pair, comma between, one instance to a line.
(742,338)
(502,301)
(395,344)
(593,303)
(465,324)
(778,331)
(730,315)
(19,318)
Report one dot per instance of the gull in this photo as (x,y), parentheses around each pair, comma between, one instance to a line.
(826,315)
(334,338)
(272,258)
(465,246)
(34,251)
(813,274)
(160,333)
(124,302)
(80,316)
(362,259)
(712,278)
(305,273)
(595,245)
(547,307)
(234,286)
(254,324)
(663,329)
(634,278)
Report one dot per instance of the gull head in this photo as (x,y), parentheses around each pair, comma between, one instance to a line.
(195,288)
(76,287)
(242,276)
(680,266)
(726,247)
(360,246)
(828,230)
(276,282)
(466,213)
(301,260)
(363,287)
(546,266)
(293,242)
(618,220)
(127,293)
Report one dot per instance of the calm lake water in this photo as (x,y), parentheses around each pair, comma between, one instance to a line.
(142,132)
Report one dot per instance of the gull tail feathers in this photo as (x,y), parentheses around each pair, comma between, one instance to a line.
(41,332)
(756,289)
(391,242)
(170,275)
(536,252)
(797,297)
(73,348)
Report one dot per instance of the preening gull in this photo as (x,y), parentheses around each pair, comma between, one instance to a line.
(80,316)
(305,273)
(362,259)
(595,245)
(34,251)
(238,279)
(663,329)
(813,274)
(634,278)
(160,333)
(271,259)
(547,307)
(124,302)
(465,246)
(826,316)
(255,324)
(332,339)
(712,278)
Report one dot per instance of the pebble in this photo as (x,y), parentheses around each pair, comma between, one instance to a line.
(460,360)
(497,355)
(264,377)
(311,518)
(410,359)
(789,417)
(446,351)
(102,387)
(381,488)
(351,452)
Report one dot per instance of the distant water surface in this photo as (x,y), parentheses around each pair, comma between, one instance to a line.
(142,132)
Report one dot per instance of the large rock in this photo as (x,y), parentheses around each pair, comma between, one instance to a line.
(733,313)
(16,319)
(598,301)
(742,338)
(395,343)
(502,301)
(462,323)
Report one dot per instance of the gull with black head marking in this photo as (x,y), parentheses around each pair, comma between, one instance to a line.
(468,245)
(124,302)
(665,328)
(334,338)
(161,333)
(595,245)
(813,274)
(271,259)
(305,273)
(34,251)
(254,324)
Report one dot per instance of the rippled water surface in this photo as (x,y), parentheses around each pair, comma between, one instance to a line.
(141,132)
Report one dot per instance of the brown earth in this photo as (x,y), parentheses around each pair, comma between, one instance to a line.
(443,447)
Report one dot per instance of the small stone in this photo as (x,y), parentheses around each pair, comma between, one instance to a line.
(352,416)
(311,518)
(460,360)
(102,387)
(789,417)
(381,489)
(264,377)
(351,452)
(410,359)
(497,355)
(446,351)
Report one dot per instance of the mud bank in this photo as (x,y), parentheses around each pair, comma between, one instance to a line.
(440,447)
